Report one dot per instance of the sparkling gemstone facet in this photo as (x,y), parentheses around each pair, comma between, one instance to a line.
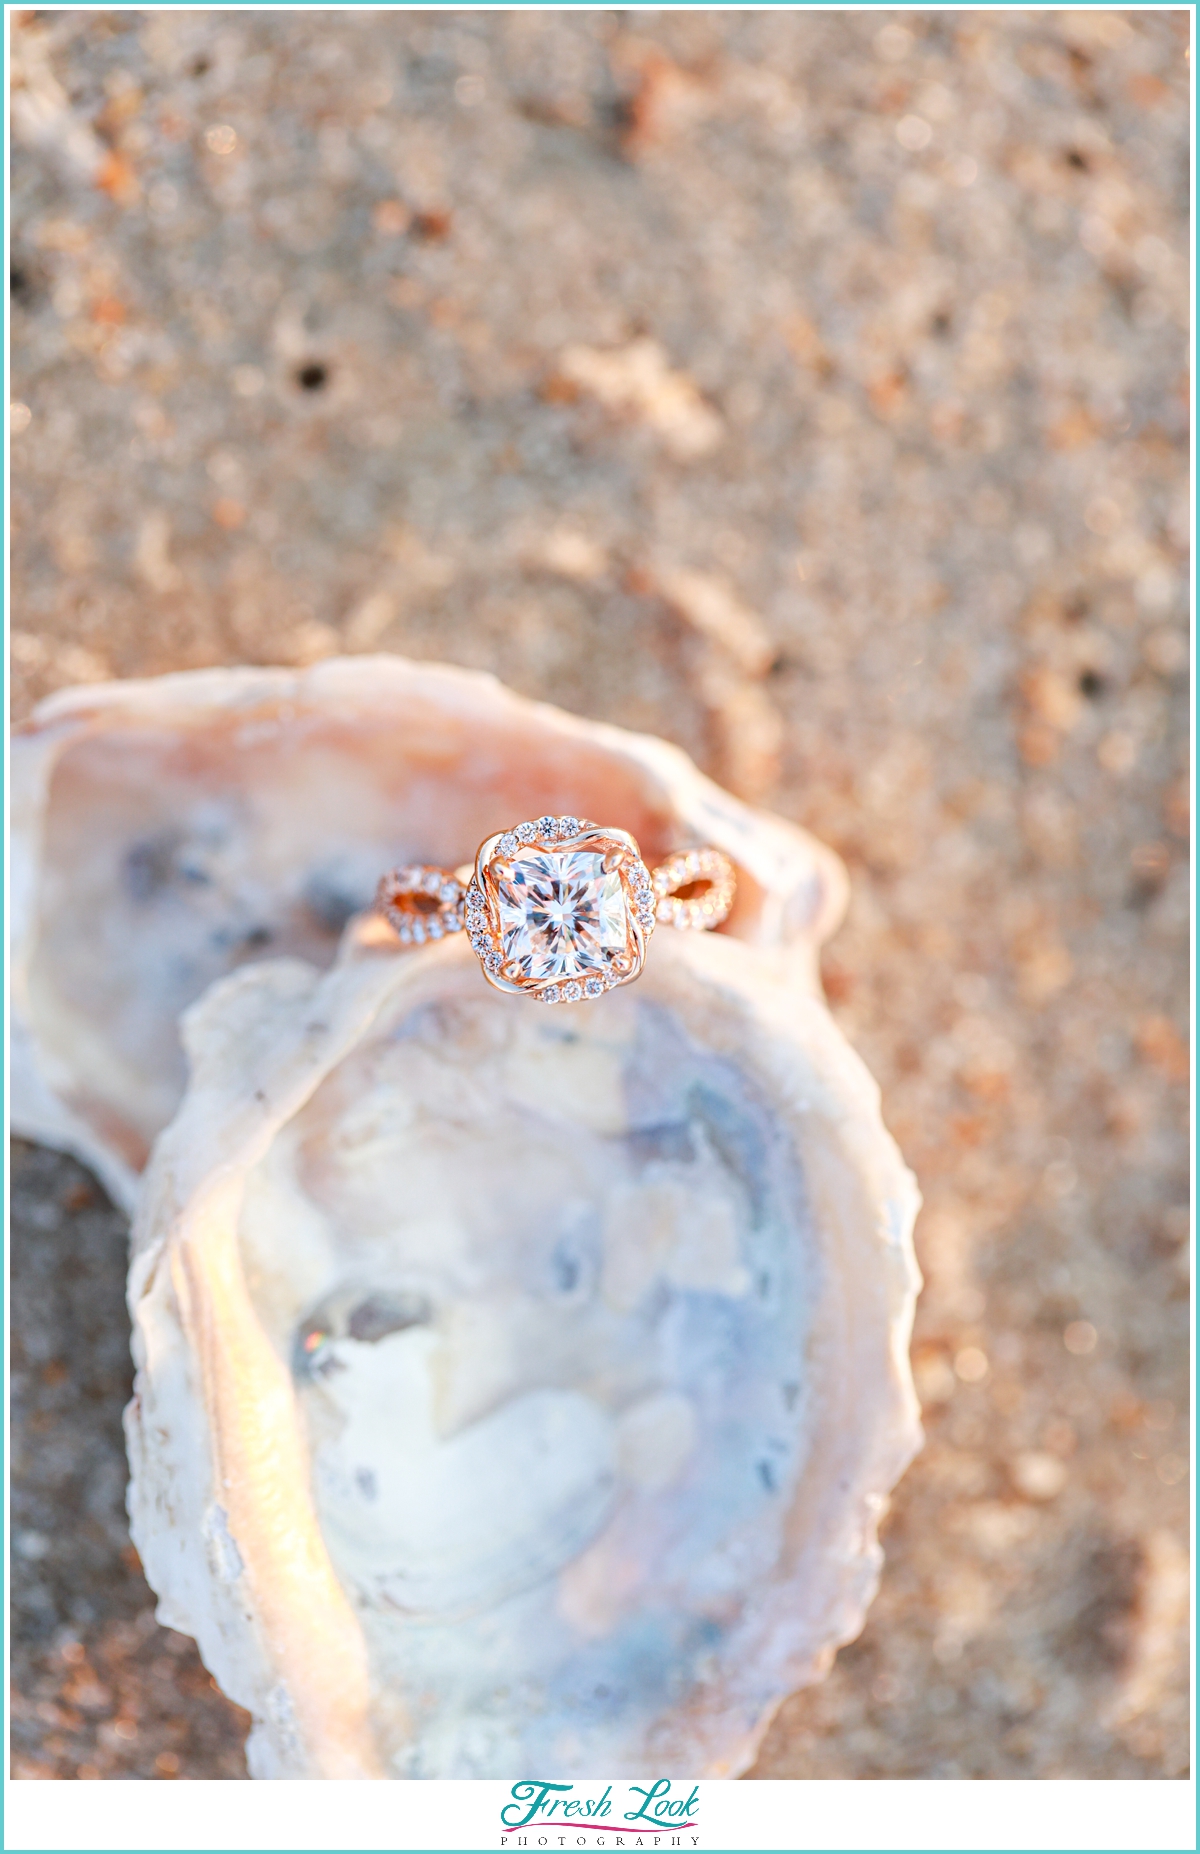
(562,914)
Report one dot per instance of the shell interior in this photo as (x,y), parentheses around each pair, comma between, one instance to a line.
(544,1283)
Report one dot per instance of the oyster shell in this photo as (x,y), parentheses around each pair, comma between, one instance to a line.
(515,1389)
(168,831)
(518,1389)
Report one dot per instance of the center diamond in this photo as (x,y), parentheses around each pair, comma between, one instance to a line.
(562,914)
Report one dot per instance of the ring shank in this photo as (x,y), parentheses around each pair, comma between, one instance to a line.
(423,902)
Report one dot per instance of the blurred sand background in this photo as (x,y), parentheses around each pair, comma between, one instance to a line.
(809,389)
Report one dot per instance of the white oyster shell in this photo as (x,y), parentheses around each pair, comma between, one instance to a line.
(518,1389)
(170,830)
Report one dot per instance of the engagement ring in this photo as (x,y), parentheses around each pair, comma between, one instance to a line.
(559,908)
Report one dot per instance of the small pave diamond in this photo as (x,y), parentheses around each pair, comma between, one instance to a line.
(572,991)
(507,845)
(546,828)
(568,827)
(525,833)
(550,995)
(594,987)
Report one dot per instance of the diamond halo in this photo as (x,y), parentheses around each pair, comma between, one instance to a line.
(560,909)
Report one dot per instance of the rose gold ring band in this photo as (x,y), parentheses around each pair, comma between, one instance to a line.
(558,908)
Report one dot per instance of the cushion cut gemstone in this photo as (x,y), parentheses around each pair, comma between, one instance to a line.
(562,914)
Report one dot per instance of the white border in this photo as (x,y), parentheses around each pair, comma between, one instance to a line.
(919,1815)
